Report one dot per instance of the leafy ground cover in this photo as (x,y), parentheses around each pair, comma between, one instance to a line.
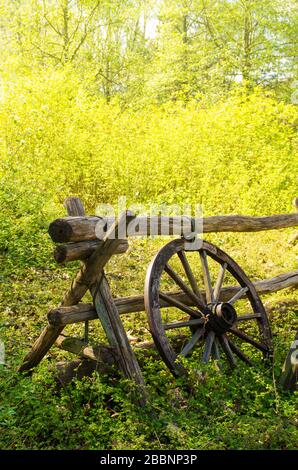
(238,156)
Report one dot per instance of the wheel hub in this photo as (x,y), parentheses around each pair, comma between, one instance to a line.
(222,317)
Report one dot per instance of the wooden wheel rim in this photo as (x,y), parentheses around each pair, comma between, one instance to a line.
(152,299)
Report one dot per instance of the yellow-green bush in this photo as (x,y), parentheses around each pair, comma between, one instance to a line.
(239,155)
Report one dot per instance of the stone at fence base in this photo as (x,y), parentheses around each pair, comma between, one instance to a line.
(66,371)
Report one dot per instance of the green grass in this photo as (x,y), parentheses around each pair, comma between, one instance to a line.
(239,156)
(244,409)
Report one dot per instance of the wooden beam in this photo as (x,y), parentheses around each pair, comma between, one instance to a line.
(82,250)
(110,319)
(91,276)
(41,346)
(74,206)
(74,229)
(82,312)
(62,316)
(100,353)
(92,270)
(50,333)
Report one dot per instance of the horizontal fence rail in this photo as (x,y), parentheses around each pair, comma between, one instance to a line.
(80,229)
(62,316)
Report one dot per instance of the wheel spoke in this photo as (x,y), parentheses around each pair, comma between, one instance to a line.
(215,350)
(176,278)
(227,350)
(249,316)
(219,282)
(190,276)
(239,353)
(208,347)
(182,324)
(183,329)
(176,303)
(194,339)
(206,275)
(238,296)
(249,340)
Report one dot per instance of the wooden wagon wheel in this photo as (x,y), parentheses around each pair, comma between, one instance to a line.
(193,318)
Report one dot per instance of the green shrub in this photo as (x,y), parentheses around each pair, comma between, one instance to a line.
(236,156)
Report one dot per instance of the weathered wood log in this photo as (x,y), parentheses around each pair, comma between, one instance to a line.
(62,316)
(282,281)
(73,229)
(100,353)
(50,333)
(74,206)
(240,223)
(104,355)
(289,375)
(110,319)
(41,347)
(84,367)
(82,250)
(91,276)
(82,312)
(92,270)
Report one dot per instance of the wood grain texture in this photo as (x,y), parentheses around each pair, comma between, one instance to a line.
(62,316)
(82,312)
(215,324)
(91,276)
(41,347)
(74,206)
(51,332)
(110,319)
(82,250)
(73,229)
(92,270)
(100,353)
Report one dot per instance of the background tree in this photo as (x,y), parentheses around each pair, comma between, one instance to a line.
(155,49)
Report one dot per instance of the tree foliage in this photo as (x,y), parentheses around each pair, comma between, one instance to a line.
(166,49)
(162,101)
